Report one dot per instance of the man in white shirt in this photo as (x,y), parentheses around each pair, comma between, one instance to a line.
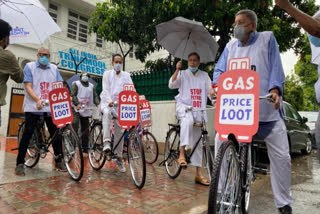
(194,87)
(112,85)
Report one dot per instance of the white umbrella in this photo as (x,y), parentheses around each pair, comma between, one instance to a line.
(181,36)
(30,21)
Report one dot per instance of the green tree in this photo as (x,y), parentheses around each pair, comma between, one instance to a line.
(133,21)
(293,92)
(307,72)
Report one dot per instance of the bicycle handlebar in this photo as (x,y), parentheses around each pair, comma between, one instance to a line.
(45,103)
(84,107)
(190,108)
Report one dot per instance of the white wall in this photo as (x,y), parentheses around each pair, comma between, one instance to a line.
(163,112)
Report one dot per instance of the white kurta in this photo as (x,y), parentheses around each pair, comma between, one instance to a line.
(193,91)
(112,85)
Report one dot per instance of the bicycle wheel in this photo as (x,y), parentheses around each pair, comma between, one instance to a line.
(225,184)
(97,157)
(136,159)
(72,153)
(171,153)
(207,158)
(247,177)
(33,155)
(150,146)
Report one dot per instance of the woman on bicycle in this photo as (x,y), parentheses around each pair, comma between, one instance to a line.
(194,87)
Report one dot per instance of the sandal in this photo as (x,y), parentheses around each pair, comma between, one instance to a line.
(201,180)
(182,161)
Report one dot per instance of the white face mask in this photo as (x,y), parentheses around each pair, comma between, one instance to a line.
(117,67)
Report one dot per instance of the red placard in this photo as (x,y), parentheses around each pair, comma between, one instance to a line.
(60,106)
(128,110)
(237,104)
(145,113)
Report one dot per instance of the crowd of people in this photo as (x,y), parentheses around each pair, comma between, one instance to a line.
(260,47)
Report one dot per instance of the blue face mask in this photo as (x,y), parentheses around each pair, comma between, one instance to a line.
(44,60)
(314,40)
(192,69)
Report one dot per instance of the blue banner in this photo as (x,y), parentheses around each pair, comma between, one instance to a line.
(90,64)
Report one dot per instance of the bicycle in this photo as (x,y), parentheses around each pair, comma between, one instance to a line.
(172,147)
(40,143)
(134,151)
(92,122)
(232,176)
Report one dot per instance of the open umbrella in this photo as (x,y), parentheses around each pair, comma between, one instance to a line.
(29,20)
(181,36)
(77,77)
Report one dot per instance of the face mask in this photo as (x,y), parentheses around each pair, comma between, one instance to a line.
(117,67)
(239,32)
(314,40)
(192,69)
(44,60)
(84,78)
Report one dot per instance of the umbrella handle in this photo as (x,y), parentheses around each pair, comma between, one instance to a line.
(186,44)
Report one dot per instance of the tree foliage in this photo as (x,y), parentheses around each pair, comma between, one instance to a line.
(293,92)
(133,21)
(308,75)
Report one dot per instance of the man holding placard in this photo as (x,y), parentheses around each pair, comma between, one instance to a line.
(194,86)
(112,84)
(262,50)
(38,79)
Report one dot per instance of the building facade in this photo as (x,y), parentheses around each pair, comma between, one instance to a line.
(73,43)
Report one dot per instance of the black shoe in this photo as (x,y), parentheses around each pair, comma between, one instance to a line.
(60,166)
(286,209)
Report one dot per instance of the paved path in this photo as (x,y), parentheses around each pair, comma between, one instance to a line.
(44,190)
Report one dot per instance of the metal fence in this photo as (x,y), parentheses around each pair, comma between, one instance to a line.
(154,85)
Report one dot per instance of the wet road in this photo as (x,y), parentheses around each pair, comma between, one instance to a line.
(44,190)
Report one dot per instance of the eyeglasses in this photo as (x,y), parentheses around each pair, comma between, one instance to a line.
(43,54)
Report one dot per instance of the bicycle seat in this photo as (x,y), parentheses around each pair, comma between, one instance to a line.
(174,125)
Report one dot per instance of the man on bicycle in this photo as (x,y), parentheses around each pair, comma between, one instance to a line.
(262,49)
(112,85)
(83,93)
(194,86)
(38,78)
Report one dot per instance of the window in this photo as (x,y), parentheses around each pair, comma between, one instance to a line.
(99,42)
(53,11)
(77,27)
(295,114)
(288,113)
